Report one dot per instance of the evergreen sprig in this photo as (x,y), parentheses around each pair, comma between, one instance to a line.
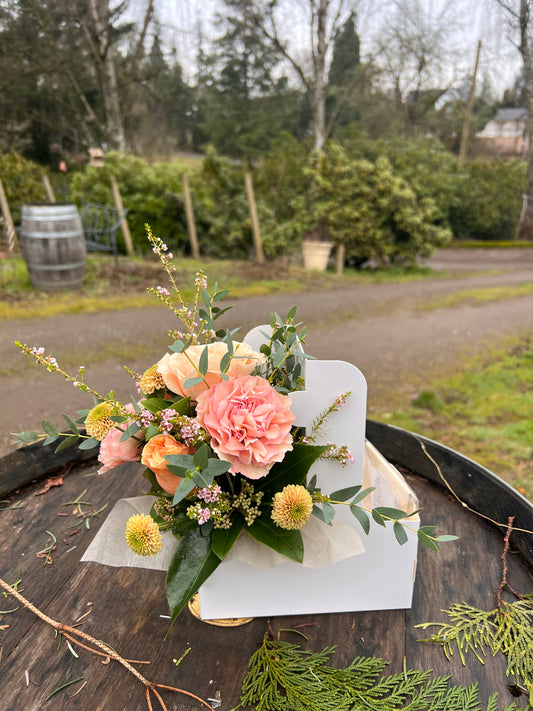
(507,629)
(284,677)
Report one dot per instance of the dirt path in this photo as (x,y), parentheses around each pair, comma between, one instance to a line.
(383,329)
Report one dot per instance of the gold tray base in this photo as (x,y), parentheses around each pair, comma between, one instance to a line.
(194,609)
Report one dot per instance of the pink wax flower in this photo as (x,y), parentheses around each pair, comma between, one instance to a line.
(249,423)
(114,452)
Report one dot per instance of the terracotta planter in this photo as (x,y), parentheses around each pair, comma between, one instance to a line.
(316,255)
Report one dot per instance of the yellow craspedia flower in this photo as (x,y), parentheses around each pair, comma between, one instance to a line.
(98,422)
(151,380)
(143,535)
(292,507)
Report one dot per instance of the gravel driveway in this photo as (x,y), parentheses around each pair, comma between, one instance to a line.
(383,329)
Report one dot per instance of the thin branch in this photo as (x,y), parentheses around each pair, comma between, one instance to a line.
(71,632)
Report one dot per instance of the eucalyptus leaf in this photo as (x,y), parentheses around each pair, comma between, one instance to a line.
(201,457)
(394,514)
(446,538)
(400,533)
(89,444)
(220,295)
(363,494)
(345,494)
(362,517)
(27,436)
(71,424)
(50,428)
(184,488)
(177,346)
(377,517)
(192,564)
(69,441)
(203,363)
(191,382)
(426,541)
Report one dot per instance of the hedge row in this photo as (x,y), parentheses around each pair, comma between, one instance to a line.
(386,200)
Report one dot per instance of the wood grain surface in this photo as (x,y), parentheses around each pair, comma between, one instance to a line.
(127,608)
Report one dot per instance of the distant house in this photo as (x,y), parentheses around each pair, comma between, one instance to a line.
(505,134)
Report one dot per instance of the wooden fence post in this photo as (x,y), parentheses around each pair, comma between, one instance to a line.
(253,216)
(120,207)
(189,212)
(340,254)
(6,214)
(48,187)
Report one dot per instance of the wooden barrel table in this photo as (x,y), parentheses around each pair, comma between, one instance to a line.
(46,530)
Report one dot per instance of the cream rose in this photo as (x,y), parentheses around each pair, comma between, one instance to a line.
(177,368)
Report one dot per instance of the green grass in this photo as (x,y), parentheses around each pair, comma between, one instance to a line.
(485,412)
(479,296)
(107,287)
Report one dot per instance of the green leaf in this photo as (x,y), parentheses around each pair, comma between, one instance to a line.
(156,489)
(394,514)
(177,346)
(191,382)
(155,404)
(447,538)
(50,428)
(27,436)
(293,469)
(362,517)
(288,543)
(130,431)
(202,479)
(345,494)
(222,539)
(362,494)
(400,533)
(192,563)
(224,362)
(221,295)
(326,513)
(184,488)
(426,541)
(206,298)
(377,517)
(183,461)
(291,314)
(203,363)
(69,441)
(183,525)
(201,457)
(89,444)
(71,424)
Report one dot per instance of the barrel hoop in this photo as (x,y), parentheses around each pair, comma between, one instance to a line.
(51,235)
(53,218)
(56,267)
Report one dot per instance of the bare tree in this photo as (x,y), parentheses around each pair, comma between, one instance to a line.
(323,21)
(521,22)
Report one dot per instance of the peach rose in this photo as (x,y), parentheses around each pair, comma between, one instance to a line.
(153,455)
(249,423)
(177,368)
(114,452)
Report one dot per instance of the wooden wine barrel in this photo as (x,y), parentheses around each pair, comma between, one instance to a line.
(127,608)
(53,245)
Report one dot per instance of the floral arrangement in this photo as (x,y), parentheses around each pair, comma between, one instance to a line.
(213,426)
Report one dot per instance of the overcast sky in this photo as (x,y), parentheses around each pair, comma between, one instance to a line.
(474,20)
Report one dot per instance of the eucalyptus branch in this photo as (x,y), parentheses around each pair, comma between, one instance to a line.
(73,633)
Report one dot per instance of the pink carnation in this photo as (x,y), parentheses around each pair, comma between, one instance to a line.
(249,423)
(114,452)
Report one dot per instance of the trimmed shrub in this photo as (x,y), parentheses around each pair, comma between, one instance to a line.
(22,181)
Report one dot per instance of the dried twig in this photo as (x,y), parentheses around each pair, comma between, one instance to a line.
(71,632)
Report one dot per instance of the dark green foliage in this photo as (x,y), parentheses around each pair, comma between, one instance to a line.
(151,193)
(490,199)
(283,677)
(22,181)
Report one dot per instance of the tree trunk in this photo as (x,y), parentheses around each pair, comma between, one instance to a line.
(319,86)
(99,37)
(525,228)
